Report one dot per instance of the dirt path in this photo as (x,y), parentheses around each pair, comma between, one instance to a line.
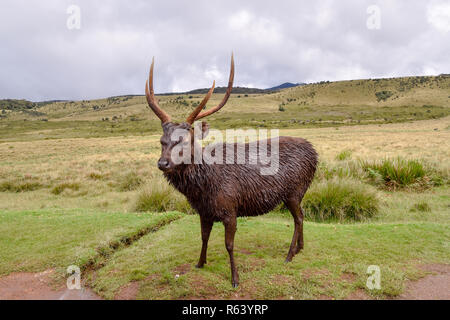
(431,287)
(37,286)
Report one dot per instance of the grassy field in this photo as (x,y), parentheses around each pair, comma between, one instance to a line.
(72,187)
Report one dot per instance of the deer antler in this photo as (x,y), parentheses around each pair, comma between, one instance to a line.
(150,95)
(225,98)
(193,115)
(196,114)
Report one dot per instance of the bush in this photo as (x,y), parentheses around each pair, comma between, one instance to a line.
(341,200)
(130,181)
(383,95)
(397,173)
(58,189)
(159,196)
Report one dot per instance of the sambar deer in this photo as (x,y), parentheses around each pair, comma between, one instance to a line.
(223,191)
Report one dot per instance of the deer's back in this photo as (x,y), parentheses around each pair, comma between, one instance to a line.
(219,189)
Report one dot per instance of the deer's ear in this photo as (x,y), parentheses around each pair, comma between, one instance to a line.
(205,129)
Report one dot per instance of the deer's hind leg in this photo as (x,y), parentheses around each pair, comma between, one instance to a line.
(293,204)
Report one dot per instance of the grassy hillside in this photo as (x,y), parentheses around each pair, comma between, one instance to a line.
(408,91)
(315,105)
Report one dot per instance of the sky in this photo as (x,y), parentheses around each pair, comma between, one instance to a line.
(87,49)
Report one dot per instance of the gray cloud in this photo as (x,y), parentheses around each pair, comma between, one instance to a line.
(273,42)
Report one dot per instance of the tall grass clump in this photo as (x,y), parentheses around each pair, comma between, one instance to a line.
(159,196)
(421,207)
(344,155)
(58,189)
(19,186)
(340,200)
(130,181)
(396,173)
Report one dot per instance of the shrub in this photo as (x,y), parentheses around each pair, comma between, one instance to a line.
(58,189)
(341,200)
(159,196)
(383,95)
(130,181)
(344,155)
(395,173)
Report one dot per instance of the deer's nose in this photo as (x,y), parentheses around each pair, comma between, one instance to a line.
(163,164)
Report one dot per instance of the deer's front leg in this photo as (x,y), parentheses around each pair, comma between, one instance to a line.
(206,231)
(230,230)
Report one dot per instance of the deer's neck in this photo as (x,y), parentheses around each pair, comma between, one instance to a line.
(190,179)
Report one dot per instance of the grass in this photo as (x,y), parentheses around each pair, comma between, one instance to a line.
(130,181)
(159,196)
(42,239)
(421,206)
(92,199)
(396,173)
(340,200)
(19,186)
(311,106)
(333,263)
(58,189)
(344,155)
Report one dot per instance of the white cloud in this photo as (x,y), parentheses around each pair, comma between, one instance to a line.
(258,30)
(438,15)
(273,42)
(430,71)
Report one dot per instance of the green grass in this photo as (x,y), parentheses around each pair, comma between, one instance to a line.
(159,196)
(65,197)
(396,173)
(344,155)
(42,239)
(333,263)
(340,200)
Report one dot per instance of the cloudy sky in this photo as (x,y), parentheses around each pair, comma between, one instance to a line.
(48,53)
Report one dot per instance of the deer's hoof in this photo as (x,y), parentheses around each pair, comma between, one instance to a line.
(199,266)
(235,284)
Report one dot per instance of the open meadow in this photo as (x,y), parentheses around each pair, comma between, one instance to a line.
(79,186)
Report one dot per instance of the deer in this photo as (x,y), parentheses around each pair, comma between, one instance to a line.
(224,192)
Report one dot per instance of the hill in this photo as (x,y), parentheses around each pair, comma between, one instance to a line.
(285,86)
(237,90)
(321,104)
(406,91)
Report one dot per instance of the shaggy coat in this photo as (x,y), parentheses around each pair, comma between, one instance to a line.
(222,192)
